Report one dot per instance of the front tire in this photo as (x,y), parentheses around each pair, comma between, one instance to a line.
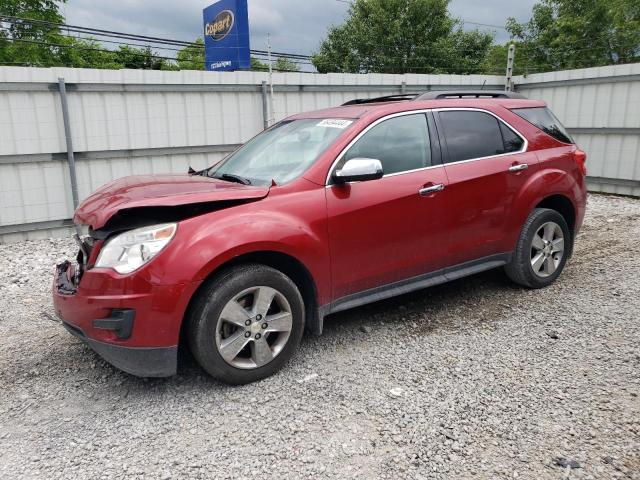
(246,323)
(542,249)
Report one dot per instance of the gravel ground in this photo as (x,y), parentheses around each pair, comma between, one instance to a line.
(474,379)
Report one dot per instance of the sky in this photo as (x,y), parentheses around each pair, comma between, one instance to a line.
(296,26)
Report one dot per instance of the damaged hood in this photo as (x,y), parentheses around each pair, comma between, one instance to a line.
(159,191)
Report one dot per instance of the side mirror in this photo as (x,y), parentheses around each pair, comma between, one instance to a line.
(359,170)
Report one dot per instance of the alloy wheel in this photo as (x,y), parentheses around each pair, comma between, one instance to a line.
(547,249)
(253,327)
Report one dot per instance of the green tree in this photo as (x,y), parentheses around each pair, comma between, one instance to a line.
(258,65)
(140,58)
(39,42)
(399,36)
(86,53)
(565,34)
(192,57)
(495,63)
(285,65)
(281,64)
(25,43)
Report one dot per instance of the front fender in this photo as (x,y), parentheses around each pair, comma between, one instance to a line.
(203,244)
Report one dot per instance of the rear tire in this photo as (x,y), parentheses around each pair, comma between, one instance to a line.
(541,251)
(246,323)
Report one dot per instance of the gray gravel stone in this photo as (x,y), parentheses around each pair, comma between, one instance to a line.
(486,392)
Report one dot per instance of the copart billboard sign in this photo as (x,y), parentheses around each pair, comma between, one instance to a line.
(226,35)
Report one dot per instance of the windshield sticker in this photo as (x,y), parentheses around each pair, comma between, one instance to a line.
(334,123)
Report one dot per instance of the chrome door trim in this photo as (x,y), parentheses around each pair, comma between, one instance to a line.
(369,127)
(524,148)
(518,168)
(429,190)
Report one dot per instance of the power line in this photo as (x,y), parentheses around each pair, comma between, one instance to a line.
(409,69)
(166,41)
(258,53)
(102,50)
(502,27)
(410,63)
(107,33)
(80,47)
(416,61)
(127,36)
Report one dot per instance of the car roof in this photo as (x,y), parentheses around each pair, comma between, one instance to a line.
(380,109)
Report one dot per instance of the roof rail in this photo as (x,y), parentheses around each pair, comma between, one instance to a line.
(386,98)
(439,95)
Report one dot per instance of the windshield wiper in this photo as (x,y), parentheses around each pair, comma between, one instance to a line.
(230,177)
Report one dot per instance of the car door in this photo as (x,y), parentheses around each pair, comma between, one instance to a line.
(487,165)
(390,229)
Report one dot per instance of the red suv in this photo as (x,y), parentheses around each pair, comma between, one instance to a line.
(322,212)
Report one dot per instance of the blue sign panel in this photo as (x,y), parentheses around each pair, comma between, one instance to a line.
(226,35)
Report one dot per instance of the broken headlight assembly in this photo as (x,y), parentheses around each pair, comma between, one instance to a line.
(130,250)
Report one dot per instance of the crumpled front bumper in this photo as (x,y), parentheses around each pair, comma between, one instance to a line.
(140,361)
(131,323)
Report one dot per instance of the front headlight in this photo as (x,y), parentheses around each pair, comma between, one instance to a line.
(131,250)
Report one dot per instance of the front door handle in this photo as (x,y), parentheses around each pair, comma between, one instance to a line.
(432,189)
(518,168)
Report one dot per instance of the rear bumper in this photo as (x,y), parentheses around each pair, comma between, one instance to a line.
(139,361)
(581,207)
(130,322)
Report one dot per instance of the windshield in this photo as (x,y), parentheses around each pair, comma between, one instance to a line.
(281,153)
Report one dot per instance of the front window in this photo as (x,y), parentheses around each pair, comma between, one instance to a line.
(281,153)
(401,144)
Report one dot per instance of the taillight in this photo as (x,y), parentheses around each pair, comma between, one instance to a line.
(581,160)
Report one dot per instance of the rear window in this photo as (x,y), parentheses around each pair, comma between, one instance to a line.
(546,121)
(471,135)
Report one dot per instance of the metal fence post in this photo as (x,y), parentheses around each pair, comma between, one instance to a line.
(403,87)
(67,134)
(265,108)
(71,161)
(508,83)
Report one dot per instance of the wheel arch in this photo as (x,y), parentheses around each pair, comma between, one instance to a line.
(547,188)
(289,265)
(563,205)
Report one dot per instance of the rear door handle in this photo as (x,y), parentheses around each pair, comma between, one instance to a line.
(518,168)
(432,189)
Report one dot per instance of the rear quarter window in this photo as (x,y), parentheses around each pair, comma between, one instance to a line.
(546,121)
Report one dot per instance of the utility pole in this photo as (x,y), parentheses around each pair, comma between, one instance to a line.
(272,116)
(508,83)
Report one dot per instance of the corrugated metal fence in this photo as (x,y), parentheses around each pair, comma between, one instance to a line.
(135,122)
(601,108)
